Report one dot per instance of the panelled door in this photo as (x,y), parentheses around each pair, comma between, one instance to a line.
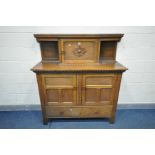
(79,50)
(94,89)
(97,89)
(60,89)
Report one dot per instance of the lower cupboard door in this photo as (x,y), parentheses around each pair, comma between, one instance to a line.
(97,89)
(61,96)
(97,96)
(60,89)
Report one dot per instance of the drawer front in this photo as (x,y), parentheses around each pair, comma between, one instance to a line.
(85,111)
(60,89)
(97,89)
(79,50)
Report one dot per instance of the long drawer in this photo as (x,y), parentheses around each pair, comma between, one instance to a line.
(78,111)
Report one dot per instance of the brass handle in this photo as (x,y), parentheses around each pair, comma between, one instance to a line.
(62,52)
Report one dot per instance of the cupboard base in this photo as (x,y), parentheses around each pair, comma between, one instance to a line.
(79,112)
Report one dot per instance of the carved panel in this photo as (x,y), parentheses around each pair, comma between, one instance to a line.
(80,50)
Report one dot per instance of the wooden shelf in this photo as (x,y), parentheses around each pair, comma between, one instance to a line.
(109,65)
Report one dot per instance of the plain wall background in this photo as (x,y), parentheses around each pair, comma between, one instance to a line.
(19,52)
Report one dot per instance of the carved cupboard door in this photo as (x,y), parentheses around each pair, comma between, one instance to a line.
(79,50)
(60,89)
(97,89)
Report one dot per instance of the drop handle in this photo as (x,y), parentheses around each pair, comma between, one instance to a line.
(96,112)
(61,112)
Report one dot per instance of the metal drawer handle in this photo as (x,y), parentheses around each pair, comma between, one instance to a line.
(96,112)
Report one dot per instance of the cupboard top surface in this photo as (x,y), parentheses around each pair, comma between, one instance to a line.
(106,65)
(106,37)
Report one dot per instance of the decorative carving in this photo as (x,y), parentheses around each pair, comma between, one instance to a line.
(79,51)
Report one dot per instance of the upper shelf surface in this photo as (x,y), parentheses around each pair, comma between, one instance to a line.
(106,65)
(106,37)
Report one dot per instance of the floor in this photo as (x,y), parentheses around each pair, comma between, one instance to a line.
(125,119)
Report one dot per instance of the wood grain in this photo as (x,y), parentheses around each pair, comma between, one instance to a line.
(78,85)
(107,65)
(55,37)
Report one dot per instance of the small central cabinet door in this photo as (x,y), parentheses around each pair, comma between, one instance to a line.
(97,89)
(60,89)
(79,50)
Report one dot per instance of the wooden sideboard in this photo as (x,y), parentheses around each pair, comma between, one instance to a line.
(78,76)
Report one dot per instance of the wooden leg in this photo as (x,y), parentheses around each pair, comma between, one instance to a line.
(112,120)
(45,121)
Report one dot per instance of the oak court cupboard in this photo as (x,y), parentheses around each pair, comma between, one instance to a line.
(78,76)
